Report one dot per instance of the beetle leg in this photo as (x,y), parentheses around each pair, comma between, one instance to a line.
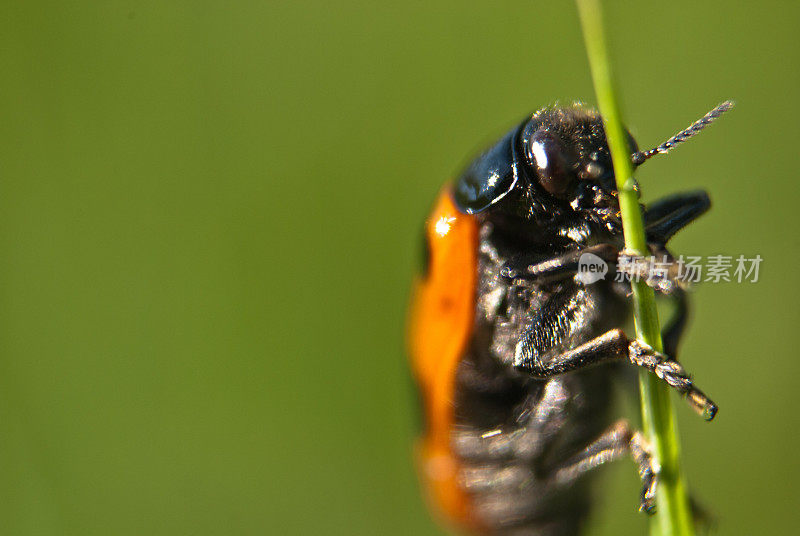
(562,266)
(667,216)
(663,219)
(673,330)
(613,444)
(666,278)
(612,345)
(660,270)
(525,440)
(674,374)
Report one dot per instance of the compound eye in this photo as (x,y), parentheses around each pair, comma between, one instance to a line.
(546,153)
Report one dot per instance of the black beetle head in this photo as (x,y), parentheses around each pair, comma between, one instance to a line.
(555,163)
(567,161)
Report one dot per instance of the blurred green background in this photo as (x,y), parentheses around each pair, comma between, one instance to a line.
(209,215)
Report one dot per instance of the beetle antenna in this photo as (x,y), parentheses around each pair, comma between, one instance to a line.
(639,157)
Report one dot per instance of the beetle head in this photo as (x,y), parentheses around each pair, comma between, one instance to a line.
(554,166)
(568,165)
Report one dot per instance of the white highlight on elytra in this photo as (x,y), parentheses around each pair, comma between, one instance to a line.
(442,226)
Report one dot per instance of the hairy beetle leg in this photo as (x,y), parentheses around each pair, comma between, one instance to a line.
(560,267)
(642,455)
(613,444)
(611,346)
(524,441)
(660,271)
(674,374)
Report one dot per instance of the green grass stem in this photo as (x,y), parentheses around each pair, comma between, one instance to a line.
(673,516)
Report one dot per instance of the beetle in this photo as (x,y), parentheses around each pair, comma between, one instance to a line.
(505,336)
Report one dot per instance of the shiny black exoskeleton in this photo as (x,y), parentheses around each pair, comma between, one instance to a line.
(532,409)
